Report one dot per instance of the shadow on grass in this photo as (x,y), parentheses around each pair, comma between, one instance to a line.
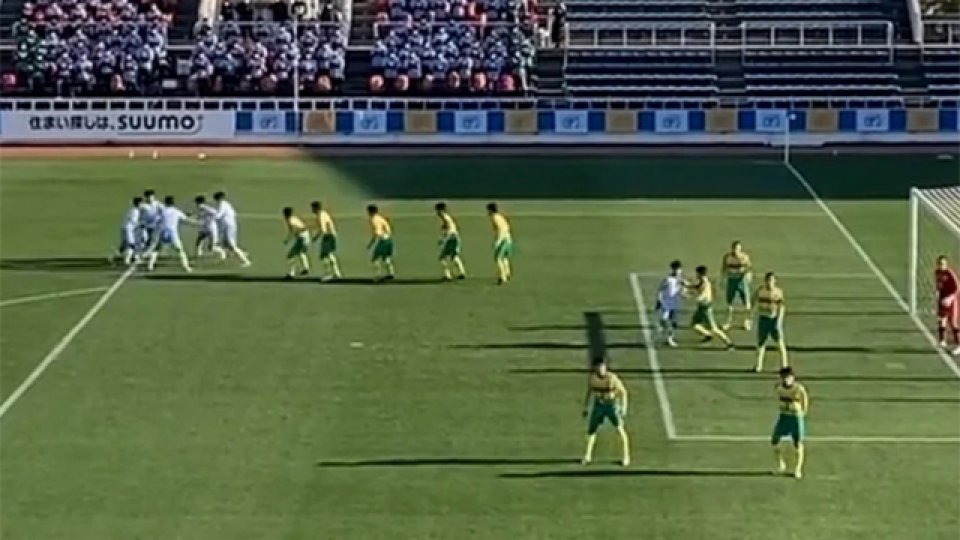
(712,347)
(606,326)
(444,462)
(608,473)
(59,264)
(246,278)
(733,374)
(545,345)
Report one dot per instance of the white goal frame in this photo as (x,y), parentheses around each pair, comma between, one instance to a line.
(925,200)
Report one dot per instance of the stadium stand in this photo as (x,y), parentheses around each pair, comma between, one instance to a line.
(940,56)
(453,47)
(85,47)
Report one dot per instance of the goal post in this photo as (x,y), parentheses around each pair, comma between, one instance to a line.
(934,231)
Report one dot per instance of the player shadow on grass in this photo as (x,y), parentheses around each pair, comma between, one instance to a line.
(247,278)
(444,462)
(58,264)
(576,345)
(607,473)
(547,345)
(606,326)
(743,373)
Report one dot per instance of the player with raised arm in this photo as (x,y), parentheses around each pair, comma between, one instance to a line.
(606,400)
(227,224)
(129,231)
(768,302)
(794,402)
(380,244)
(170,218)
(502,243)
(669,297)
(703,321)
(326,235)
(298,238)
(948,304)
(208,238)
(737,273)
(449,244)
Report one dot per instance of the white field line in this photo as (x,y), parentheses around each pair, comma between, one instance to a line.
(659,386)
(825,439)
(788,275)
(947,360)
(50,296)
(639,213)
(64,342)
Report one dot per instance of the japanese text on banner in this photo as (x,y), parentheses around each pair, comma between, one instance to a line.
(110,125)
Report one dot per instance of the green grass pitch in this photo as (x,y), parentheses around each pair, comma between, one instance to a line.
(230,405)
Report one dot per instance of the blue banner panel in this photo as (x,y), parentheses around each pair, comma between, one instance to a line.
(596,121)
(495,121)
(445,122)
(848,120)
(244,121)
(545,121)
(697,121)
(949,120)
(345,122)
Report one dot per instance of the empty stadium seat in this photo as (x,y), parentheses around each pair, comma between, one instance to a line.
(642,73)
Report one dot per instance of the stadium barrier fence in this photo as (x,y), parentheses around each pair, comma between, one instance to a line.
(801,126)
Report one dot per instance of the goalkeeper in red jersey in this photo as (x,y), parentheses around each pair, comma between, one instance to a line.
(948,304)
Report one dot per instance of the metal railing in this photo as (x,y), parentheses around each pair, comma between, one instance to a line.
(820,35)
(439,104)
(382,29)
(640,35)
(941,33)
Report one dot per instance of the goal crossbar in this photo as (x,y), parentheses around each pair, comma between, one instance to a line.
(943,204)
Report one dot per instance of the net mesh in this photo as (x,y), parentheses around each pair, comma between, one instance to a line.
(938,233)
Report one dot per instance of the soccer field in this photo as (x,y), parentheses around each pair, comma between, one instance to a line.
(229,404)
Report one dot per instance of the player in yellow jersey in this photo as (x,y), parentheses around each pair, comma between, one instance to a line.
(449,244)
(381,242)
(298,238)
(794,402)
(606,399)
(768,302)
(704,323)
(737,271)
(326,235)
(502,243)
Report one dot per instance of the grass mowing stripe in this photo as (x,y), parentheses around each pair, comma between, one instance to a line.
(947,360)
(640,213)
(64,342)
(50,296)
(661,388)
(851,439)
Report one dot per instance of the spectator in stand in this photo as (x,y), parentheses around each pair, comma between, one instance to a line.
(558,25)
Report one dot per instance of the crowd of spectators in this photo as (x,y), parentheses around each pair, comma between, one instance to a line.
(90,47)
(270,52)
(454,46)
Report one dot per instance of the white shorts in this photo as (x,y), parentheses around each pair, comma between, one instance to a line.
(170,238)
(128,238)
(228,235)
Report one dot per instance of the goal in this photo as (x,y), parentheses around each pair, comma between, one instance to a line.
(934,231)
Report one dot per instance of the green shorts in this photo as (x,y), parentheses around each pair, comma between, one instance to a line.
(738,288)
(328,245)
(789,425)
(382,249)
(503,249)
(450,247)
(704,316)
(603,410)
(299,246)
(768,328)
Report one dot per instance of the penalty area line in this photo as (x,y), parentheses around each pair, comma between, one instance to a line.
(51,296)
(855,244)
(824,439)
(666,411)
(64,342)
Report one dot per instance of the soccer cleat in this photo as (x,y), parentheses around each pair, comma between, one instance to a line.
(747,325)
(706,339)
(757,369)
(781,468)
(798,474)
(731,347)
(671,342)
(726,327)
(327,279)
(943,344)
(586,460)
(956,351)
(462,277)
(625,462)
(500,281)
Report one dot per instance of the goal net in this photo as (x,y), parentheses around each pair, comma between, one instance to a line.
(934,231)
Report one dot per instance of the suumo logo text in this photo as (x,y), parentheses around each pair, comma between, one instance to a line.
(132,124)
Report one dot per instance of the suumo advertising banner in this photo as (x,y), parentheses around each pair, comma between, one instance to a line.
(96,126)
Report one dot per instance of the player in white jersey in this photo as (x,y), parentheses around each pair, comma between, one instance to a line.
(129,234)
(209,236)
(171,216)
(227,224)
(669,297)
(150,217)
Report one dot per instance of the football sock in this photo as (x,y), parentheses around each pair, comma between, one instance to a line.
(242,256)
(152,260)
(591,441)
(723,336)
(624,445)
(334,265)
(702,330)
(446,269)
(956,336)
(778,455)
(304,262)
(761,352)
(184,262)
(782,346)
(941,332)
(458,264)
(801,454)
